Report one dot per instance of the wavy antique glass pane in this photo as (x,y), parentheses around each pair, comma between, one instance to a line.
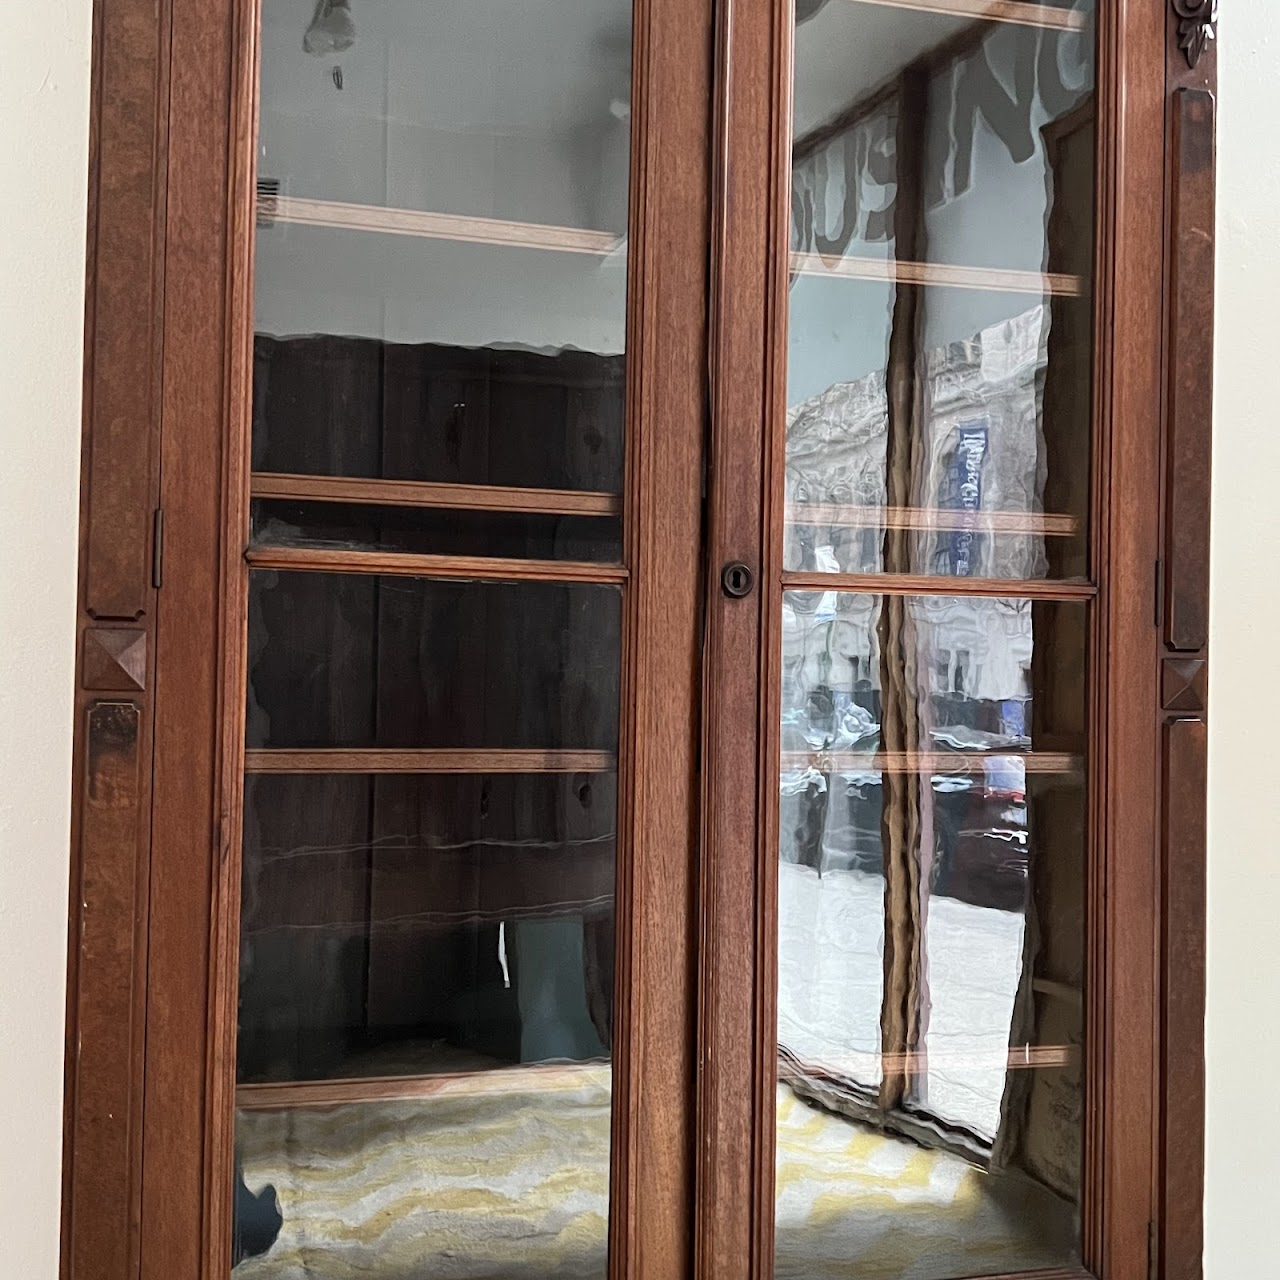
(940,333)
(931,938)
(510,535)
(427,925)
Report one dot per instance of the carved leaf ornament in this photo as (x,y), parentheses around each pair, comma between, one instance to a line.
(1196,20)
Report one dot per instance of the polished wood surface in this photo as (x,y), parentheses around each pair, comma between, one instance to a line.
(434,226)
(933,584)
(379,760)
(938,275)
(1184,665)
(929,761)
(1027,14)
(1190,446)
(1185,749)
(490,231)
(171,206)
(844,516)
(292,1095)
(414,565)
(422,493)
(110,838)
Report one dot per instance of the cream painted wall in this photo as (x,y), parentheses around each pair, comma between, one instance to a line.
(1244,788)
(44,119)
(43,134)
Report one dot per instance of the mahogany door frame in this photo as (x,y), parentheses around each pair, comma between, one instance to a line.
(1143,1163)
(154,817)
(151,1009)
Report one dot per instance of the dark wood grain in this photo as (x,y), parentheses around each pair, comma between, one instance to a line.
(293,1095)
(652,1223)
(104,1068)
(1190,442)
(189,834)
(107,934)
(413,565)
(170,306)
(749,272)
(420,493)
(1191,62)
(1122,879)
(1185,750)
(427,760)
(934,584)
(124,321)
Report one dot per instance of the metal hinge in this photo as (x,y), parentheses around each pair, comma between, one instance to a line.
(157,548)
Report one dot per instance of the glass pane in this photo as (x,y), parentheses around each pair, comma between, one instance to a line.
(931,939)
(427,930)
(405,925)
(940,337)
(525,535)
(443,947)
(331,404)
(359,660)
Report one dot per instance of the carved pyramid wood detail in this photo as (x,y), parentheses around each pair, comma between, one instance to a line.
(115,659)
(1184,684)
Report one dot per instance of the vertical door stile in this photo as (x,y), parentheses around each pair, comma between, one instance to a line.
(224,947)
(742,648)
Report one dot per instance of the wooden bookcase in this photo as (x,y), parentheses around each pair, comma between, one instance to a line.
(174,498)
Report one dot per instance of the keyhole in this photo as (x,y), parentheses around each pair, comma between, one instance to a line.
(736,579)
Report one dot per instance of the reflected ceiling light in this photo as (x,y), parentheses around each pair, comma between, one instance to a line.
(331,30)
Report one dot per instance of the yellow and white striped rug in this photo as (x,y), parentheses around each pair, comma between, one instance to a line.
(509,1182)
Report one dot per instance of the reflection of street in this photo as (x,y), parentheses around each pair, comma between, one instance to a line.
(831,938)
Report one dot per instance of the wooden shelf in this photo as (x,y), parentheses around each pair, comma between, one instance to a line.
(941,275)
(437,760)
(301,211)
(293,1095)
(409,564)
(1015,11)
(312,1094)
(928,761)
(443,496)
(937,584)
(929,519)
(1021,1058)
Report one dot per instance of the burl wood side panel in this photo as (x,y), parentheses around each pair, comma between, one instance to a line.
(1190,440)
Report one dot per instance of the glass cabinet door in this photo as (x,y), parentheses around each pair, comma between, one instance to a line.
(439,551)
(934,615)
